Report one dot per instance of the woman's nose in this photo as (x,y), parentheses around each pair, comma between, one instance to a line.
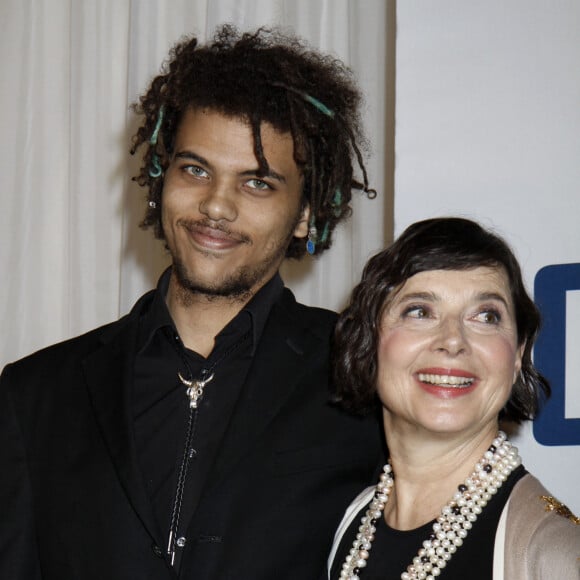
(451,337)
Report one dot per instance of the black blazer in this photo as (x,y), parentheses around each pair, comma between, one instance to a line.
(72,500)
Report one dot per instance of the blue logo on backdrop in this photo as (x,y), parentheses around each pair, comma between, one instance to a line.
(552,427)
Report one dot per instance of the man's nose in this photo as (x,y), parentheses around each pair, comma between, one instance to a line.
(219,202)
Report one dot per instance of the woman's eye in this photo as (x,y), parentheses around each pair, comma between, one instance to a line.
(258,184)
(489,317)
(416,312)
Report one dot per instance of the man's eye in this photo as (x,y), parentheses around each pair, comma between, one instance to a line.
(196,171)
(258,184)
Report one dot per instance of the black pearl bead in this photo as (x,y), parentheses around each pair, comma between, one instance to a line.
(487,468)
(492,448)
(462,488)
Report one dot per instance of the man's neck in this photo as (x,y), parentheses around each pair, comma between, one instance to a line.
(200,318)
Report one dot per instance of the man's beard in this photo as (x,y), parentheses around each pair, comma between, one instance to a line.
(240,283)
(236,286)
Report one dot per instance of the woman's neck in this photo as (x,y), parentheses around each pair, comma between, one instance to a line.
(427,472)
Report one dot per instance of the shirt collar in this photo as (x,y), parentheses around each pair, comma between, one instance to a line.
(157,318)
(260,306)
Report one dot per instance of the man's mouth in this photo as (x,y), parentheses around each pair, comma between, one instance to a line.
(214,237)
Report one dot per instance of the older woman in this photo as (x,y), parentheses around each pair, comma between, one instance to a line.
(439,333)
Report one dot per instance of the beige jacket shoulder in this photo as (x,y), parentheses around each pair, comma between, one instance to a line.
(540,544)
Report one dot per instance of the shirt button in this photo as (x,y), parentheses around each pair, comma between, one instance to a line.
(181,542)
(157,550)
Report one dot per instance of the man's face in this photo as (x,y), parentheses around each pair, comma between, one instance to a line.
(227,228)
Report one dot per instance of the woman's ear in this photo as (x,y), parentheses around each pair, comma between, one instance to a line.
(518,361)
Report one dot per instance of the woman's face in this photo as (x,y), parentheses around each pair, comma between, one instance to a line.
(448,352)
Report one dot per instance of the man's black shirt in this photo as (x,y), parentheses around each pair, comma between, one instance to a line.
(161,407)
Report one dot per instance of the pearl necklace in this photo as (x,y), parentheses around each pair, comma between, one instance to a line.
(451,527)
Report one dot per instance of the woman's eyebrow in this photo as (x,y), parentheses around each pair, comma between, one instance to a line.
(410,296)
(493,296)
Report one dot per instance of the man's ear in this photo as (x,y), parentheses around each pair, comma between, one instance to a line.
(301,229)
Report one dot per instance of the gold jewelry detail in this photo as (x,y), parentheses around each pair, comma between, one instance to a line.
(553,505)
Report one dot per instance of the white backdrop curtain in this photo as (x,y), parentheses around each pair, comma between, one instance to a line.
(71,252)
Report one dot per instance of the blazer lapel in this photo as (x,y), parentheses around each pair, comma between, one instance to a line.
(109,374)
(284,354)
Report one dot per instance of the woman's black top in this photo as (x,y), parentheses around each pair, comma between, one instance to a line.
(393,550)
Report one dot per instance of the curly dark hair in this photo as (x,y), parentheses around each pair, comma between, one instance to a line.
(261,76)
(446,243)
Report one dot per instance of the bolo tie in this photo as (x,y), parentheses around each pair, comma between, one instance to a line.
(194,392)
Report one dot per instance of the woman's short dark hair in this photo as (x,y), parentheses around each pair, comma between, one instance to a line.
(264,76)
(447,243)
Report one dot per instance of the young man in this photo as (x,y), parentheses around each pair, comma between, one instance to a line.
(195,437)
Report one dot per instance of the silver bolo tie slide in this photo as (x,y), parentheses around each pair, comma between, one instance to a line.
(195,389)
